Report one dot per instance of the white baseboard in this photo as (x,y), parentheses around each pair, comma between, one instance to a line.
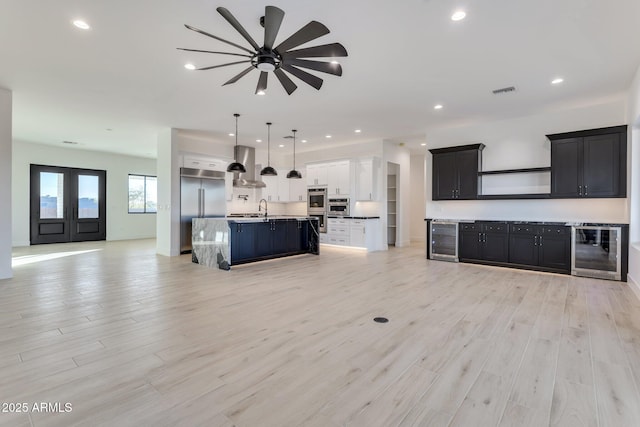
(20,244)
(634,285)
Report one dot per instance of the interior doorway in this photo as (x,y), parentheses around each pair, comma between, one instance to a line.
(67,204)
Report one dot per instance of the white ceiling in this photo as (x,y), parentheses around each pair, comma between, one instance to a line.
(125,74)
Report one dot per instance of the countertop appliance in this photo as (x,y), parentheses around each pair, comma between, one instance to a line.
(338,207)
(596,251)
(202,195)
(317,206)
(443,240)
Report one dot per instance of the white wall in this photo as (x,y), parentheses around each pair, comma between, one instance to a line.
(521,143)
(168,223)
(5,183)
(418,227)
(120,224)
(633,118)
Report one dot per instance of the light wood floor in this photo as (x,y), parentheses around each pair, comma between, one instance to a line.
(134,339)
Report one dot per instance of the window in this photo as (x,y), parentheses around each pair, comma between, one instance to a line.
(143,194)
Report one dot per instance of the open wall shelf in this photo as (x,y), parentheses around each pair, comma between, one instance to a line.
(525,170)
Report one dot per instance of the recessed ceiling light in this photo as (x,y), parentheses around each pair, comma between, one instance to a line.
(258,140)
(81,24)
(423,144)
(358,131)
(334,62)
(261,92)
(232,134)
(458,15)
(189,66)
(281,145)
(437,107)
(304,141)
(327,136)
(557,81)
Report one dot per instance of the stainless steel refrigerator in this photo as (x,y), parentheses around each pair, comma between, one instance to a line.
(202,195)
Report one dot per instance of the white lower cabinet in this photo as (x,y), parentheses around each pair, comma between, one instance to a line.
(357,233)
(338,231)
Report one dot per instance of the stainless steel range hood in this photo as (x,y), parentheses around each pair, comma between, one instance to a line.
(246,156)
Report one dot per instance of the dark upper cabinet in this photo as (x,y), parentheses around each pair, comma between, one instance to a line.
(455,172)
(589,163)
(543,246)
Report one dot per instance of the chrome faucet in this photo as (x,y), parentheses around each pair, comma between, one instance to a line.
(260,206)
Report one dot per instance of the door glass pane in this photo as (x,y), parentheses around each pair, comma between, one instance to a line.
(51,195)
(151,201)
(88,186)
(136,193)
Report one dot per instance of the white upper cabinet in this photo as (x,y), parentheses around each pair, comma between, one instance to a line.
(317,174)
(339,178)
(270,192)
(367,173)
(298,189)
(204,163)
(282,189)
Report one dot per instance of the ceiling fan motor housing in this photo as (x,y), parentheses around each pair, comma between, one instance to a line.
(266,60)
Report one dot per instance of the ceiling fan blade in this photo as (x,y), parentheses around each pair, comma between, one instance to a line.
(272,21)
(310,79)
(239,76)
(322,51)
(309,32)
(197,30)
(210,51)
(239,28)
(221,65)
(286,82)
(324,67)
(262,82)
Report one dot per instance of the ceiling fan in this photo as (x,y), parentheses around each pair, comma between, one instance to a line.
(281,58)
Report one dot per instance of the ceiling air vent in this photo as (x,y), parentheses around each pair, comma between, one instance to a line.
(70,142)
(504,90)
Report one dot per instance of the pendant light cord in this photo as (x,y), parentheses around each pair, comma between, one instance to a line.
(269,144)
(294,148)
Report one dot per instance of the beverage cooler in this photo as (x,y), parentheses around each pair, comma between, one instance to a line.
(443,240)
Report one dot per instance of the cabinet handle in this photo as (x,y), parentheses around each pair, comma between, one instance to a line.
(370,197)
(579,190)
(540,240)
(453,194)
(585,190)
(479,237)
(535,240)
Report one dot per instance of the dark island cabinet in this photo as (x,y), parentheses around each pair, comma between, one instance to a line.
(455,172)
(243,240)
(589,164)
(543,246)
(484,241)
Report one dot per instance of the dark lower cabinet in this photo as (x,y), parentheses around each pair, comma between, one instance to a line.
(548,247)
(243,240)
(484,241)
(268,239)
(540,247)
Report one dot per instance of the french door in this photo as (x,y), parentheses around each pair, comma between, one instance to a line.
(67,204)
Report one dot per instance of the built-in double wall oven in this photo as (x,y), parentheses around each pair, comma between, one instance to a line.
(317,206)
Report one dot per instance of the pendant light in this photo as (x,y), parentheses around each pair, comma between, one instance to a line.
(235,166)
(293,173)
(268,170)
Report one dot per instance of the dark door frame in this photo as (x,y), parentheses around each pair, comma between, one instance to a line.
(69,228)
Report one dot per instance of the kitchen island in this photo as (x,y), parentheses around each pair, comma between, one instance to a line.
(223,242)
